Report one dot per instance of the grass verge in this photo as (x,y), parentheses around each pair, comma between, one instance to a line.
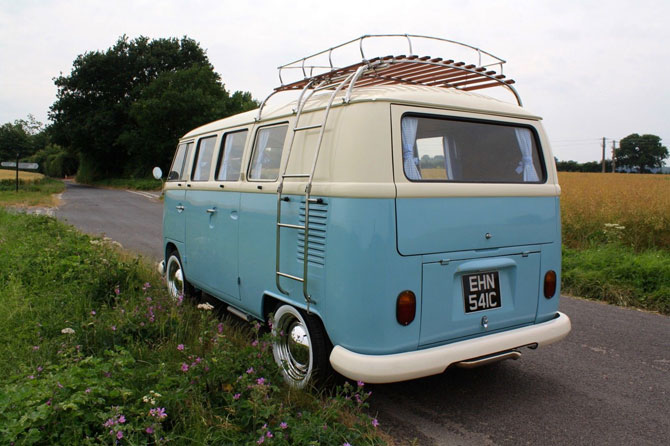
(95,353)
(130,183)
(618,274)
(38,192)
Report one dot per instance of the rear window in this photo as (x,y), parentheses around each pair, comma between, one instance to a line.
(267,153)
(439,149)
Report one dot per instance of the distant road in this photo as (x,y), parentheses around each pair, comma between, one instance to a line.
(607,383)
(133,219)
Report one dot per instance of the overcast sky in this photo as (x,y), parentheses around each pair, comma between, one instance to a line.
(591,69)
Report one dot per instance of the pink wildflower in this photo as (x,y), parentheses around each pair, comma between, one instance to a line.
(31,377)
(113,327)
(283,425)
(36,347)
(119,435)
(149,430)
(250,370)
(122,419)
(92,312)
(375,423)
(260,381)
(184,367)
(117,290)
(236,396)
(220,328)
(87,390)
(360,383)
(180,347)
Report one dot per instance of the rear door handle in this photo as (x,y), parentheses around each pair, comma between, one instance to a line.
(179,208)
(211,211)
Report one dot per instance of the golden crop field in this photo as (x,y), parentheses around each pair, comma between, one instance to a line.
(632,208)
(6,174)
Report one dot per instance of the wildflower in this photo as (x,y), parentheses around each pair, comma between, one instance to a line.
(236,396)
(346,444)
(158,412)
(250,370)
(260,381)
(31,377)
(184,367)
(375,423)
(269,434)
(261,440)
(360,383)
(180,299)
(49,402)
(39,368)
(36,347)
(180,347)
(87,390)
(283,425)
(117,290)
(149,430)
(92,312)
(109,423)
(255,343)
(146,286)
(67,330)
(119,435)
(113,327)
(219,328)
(122,419)
(205,307)
(60,386)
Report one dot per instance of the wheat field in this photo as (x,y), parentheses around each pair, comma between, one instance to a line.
(631,208)
(6,174)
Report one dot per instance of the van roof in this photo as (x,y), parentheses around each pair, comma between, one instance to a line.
(445,98)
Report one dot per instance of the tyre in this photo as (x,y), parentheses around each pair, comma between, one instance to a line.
(175,279)
(301,347)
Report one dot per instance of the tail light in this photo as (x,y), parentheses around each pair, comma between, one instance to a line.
(405,309)
(549,284)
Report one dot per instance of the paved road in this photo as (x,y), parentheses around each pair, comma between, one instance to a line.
(133,219)
(608,383)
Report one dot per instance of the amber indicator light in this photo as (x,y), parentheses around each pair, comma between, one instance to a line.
(550,284)
(405,310)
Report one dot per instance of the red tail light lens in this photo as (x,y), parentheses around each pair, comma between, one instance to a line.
(550,284)
(405,309)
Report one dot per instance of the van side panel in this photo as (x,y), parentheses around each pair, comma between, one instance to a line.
(364,276)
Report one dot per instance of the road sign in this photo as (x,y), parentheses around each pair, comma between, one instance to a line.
(25,166)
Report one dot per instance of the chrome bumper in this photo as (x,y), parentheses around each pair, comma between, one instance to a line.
(431,361)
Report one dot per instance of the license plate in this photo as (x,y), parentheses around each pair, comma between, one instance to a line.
(481,291)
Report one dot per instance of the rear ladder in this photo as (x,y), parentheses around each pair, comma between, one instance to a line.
(302,101)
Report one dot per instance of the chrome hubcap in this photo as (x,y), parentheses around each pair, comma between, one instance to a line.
(175,278)
(292,348)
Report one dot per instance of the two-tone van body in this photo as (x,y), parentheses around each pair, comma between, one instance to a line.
(391,231)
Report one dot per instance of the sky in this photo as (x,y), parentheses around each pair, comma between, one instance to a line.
(591,69)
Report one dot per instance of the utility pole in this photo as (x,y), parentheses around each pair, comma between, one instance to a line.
(604,154)
(613,156)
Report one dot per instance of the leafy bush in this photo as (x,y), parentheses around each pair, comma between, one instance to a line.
(96,352)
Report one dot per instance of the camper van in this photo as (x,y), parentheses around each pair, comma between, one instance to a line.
(389,223)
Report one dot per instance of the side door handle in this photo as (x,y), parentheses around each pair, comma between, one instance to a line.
(180,208)
(211,211)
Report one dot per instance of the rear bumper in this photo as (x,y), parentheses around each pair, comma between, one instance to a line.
(431,361)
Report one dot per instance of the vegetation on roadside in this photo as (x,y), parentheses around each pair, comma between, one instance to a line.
(33,191)
(617,274)
(616,235)
(130,183)
(94,352)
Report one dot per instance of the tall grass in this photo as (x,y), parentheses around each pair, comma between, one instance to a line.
(600,208)
(94,352)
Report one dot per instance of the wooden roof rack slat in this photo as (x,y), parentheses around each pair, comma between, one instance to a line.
(409,69)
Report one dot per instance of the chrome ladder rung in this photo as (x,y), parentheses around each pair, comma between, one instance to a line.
(286,225)
(288,276)
(296,175)
(307,127)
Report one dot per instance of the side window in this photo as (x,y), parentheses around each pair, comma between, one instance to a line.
(267,153)
(230,156)
(203,159)
(177,171)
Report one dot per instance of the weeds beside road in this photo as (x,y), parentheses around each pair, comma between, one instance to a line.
(95,352)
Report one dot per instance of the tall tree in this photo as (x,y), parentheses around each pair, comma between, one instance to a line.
(93,113)
(643,152)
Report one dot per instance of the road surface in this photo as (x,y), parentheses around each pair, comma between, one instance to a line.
(607,383)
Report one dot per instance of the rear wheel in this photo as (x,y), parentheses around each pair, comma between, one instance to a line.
(300,346)
(174,276)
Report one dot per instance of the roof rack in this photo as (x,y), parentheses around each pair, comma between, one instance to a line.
(389,70)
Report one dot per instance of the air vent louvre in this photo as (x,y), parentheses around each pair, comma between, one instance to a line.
(318,218)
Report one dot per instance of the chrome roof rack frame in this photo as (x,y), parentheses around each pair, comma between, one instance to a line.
(404,69)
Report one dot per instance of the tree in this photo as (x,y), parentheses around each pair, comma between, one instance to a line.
(643,152)
(25,136)
(104,109)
